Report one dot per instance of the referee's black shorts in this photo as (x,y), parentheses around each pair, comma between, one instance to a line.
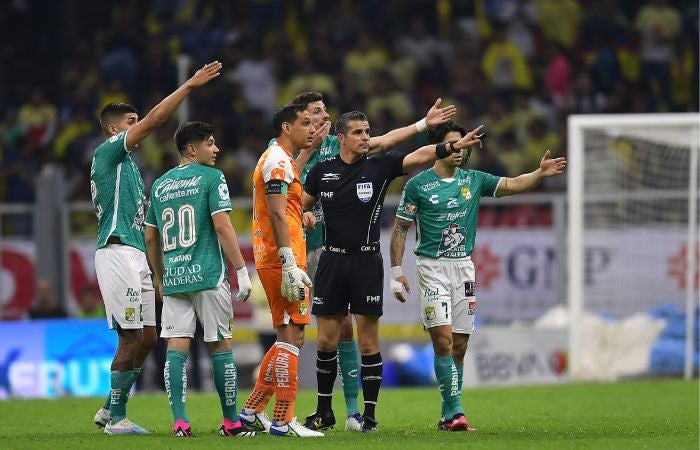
(348,279)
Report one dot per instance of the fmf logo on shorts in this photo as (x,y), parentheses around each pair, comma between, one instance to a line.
(374,298)
(365,191)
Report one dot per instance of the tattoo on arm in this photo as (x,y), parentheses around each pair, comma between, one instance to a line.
(398,241)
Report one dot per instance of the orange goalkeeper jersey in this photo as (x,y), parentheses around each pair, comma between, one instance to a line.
(276,164)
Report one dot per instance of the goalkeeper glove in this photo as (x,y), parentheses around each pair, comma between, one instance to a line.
(397,282)
(294,279)
(244,284)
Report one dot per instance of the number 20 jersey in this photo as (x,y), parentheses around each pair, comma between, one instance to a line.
(182,203)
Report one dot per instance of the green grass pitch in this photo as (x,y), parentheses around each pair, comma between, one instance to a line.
(660,414)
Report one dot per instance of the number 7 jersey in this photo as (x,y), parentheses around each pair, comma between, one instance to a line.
(182,203)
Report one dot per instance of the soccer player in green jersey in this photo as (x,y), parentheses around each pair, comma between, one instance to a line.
(188,232)
(120,261)
(324,147)
(444,203)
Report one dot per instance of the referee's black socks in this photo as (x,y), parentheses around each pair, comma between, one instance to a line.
(371,372)
(326,371)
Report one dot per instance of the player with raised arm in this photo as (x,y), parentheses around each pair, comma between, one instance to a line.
(444,203)
(351,188)
(188,232)
(324,147)
(120,261)
(280,259)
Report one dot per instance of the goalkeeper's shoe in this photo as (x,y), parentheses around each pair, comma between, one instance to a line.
(293,429)
(457,423)
(354,422)
(182,429)
(369,425)
(257,421)
(102,417)
(237,429)
(124,426)
(320,420)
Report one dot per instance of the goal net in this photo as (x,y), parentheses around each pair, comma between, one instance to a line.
(632,237)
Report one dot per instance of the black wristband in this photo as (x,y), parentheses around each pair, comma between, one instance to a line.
(441,151)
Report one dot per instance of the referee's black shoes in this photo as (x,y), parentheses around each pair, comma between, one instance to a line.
(320,420)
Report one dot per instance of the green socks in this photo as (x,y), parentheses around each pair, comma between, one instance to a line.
(120,384)
(460,375)
(226,382)
(447,377)
(347,361)
(176,383)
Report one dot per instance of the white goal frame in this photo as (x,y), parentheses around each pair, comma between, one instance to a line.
(577,124)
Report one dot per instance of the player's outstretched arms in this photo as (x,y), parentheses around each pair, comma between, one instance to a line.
(435,116)
(162,111)
(431,153)
(526,182)
(397,248)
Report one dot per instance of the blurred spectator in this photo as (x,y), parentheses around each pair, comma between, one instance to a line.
(362,62)
(559,20)
(540,139)
(386,95)
(255,73)
(584,98)
(90,304)
(658,24)
(45,306)
(497,119)
(557,75)
(38,118)
(504,64)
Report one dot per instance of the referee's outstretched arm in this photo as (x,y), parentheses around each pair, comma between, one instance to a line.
(431,153)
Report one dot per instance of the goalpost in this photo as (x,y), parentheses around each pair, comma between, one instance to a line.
(632,219)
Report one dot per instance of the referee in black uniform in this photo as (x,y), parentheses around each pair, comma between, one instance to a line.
(351,188)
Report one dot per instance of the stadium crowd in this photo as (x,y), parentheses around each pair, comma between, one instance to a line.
(519,66)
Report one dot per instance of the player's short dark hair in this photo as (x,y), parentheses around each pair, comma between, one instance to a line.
(437,133)
(287,113)
(307,97)
(190,132)
(114,111)
(341,125)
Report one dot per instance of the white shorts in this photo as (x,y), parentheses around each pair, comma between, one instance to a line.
(446,290)
(212,307)
(126,286)
(312,258)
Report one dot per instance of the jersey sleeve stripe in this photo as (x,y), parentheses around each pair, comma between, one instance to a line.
(404,218)
(496,189)
(126,149)
(150,225)
(116,201)
(220,210)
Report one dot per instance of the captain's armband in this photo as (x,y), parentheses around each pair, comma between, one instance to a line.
(276,187)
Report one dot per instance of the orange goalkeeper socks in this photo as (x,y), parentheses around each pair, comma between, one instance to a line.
(265,384)
(285,374)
